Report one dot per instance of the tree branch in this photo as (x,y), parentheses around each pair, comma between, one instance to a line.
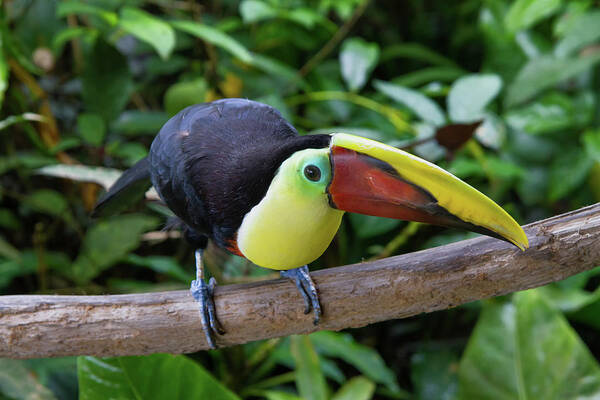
(352,296)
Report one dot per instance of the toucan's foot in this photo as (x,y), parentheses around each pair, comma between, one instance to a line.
(307,289)
(203,293)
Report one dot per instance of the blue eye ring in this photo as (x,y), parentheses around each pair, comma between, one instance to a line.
(312,173)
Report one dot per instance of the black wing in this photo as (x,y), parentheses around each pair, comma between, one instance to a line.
(126,191)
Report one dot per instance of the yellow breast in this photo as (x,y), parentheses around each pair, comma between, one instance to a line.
(289,228)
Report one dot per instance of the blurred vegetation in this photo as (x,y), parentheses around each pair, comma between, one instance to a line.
(503,94)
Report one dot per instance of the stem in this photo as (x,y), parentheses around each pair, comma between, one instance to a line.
(395,116)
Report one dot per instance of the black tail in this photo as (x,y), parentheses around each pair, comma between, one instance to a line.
(126,191)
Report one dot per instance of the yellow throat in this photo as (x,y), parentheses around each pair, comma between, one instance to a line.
(293,224)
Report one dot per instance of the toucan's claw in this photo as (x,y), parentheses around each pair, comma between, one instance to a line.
(215,325)
(203,293)
(307,289)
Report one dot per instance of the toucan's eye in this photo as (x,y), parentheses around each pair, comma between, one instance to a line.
(312,173)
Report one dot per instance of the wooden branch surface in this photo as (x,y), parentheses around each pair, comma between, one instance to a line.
(351,296)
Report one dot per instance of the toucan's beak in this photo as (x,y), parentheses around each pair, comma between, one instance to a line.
(375,179)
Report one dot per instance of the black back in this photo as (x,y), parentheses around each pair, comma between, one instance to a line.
(213,162)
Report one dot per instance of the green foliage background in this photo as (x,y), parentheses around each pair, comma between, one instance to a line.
(85,85)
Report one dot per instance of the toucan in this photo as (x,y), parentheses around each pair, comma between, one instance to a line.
(236,172)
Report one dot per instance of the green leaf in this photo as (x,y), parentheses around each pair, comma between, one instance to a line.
(82,173)
(367,226)
(553,112)
(77,7)
(591,143)
(309,377)
(17,382)
(107,242)
(567,172)
(357,60)
(149,29)
(417,52)
(584,30)
(470,95)
(275,67)
(525,349)
(363,358)
(8,220)
(588,314)
(184,94)
(64,36)
(568,300)
(426,75)
(358,388)
(162,265)
(131,152)
(255,10)
(158,376)
(214,36)
(544,72)
(92,128)
(525,13)
(434,375)
(276,395)
(421,105)
(47,201)
(135,123)
(106,81)
(7,250)
(307,17)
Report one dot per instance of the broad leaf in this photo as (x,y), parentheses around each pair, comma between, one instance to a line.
(214,36)
(158,376)
(163,265)
(183,94)
(434,374)
(78,7)
(427,75)
(106,81)
(553,112)
(525,13)
(7,250)
(416,51)
(357,60)
(470,95)
(149,29)
(277,395)
(107,242)
(421,105)
(17,382)
(134,123)
(256,10)
(525,349)
(567,172)
(358,388)
(82,173)
(544,72)
(366,226)
(309,377)
(91,128)
(47,201)
(591,143)
(363,358)
(584,30)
